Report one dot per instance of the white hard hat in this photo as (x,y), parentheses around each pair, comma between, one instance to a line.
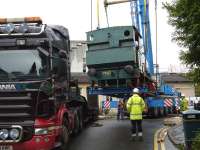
(183,95)
(136,90)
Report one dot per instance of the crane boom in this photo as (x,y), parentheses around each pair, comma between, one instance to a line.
(120,58)
(142,22)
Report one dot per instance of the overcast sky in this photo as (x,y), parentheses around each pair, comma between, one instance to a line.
(75,15)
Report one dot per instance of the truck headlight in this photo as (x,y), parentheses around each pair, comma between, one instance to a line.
(23,28)
(41,131)
(14,134)
(10,28)
(4,134)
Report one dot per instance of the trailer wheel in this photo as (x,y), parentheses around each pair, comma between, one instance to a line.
(65,134)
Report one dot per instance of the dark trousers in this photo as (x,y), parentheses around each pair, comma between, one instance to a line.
(120,114)
(136,126)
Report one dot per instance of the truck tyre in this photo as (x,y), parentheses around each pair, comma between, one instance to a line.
(76,124)
(64,134)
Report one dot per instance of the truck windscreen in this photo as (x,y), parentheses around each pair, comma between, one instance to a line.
(23,65)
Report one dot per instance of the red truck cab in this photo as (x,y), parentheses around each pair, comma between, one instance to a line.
(39,105)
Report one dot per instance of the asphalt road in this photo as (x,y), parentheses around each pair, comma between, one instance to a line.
(114,135)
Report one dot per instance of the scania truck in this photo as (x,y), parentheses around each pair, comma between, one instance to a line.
(40,106)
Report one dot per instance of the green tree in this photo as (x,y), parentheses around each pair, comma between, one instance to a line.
(184,16)
(194,75)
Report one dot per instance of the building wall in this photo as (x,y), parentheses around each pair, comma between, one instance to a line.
(78,55)
(185,88)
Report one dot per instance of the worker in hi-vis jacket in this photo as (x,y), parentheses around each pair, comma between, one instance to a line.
(135,107)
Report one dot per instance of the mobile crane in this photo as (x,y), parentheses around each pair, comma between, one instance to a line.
(120,58)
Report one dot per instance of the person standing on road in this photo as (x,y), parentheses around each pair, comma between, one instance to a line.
(184,103)
(135,107)
(120,110)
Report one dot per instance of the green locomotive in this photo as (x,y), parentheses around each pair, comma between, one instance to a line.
(115,57)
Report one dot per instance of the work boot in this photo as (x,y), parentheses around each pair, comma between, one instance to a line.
(133,137)
(140,136)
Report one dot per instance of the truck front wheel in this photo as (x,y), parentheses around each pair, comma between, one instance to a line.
(64,134)
(76,124)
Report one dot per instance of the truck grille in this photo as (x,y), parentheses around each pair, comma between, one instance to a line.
(16,107)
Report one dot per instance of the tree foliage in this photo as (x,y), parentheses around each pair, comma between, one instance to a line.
(184,15)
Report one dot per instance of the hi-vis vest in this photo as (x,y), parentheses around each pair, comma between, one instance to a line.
(184,104)
(135,107)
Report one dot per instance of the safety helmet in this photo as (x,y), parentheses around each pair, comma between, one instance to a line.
(136,90)
(183,95)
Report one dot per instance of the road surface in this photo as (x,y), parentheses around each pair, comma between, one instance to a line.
(114,135)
